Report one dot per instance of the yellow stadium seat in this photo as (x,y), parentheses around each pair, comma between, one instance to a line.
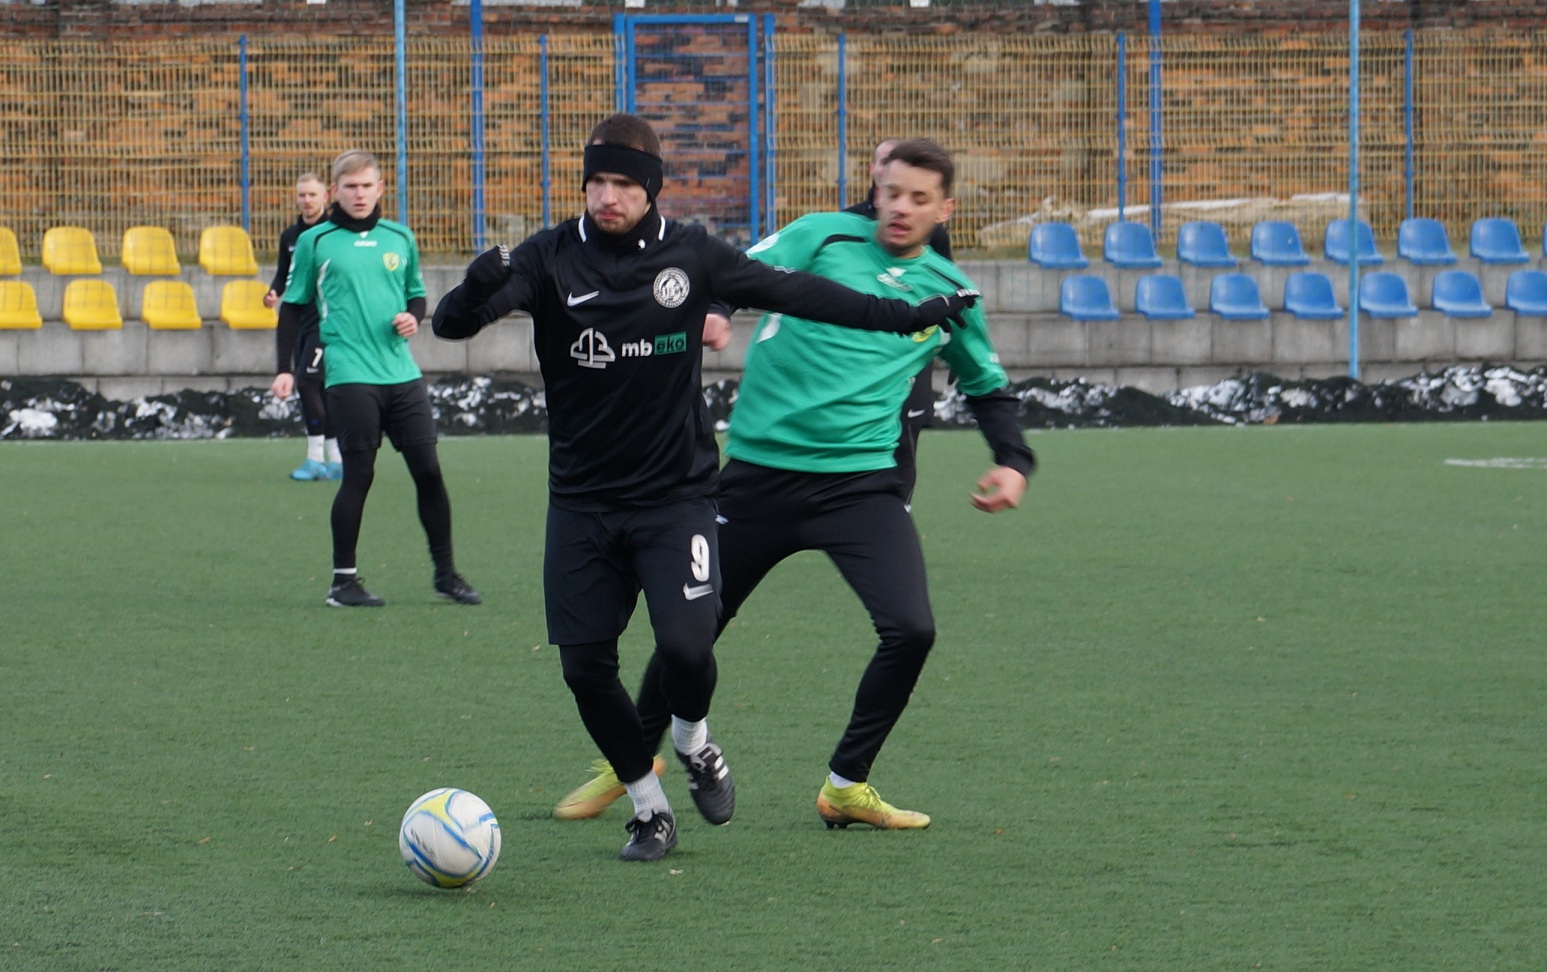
(69,250)
(10,254)
(18,305)
(241,305)
(149,251)
(226,251)
(91,305)
(169,305)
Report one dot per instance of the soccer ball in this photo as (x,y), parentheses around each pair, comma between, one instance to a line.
(449,838)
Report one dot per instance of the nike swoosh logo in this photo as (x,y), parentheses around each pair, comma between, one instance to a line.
(572,300)
(915,412)
(694,593)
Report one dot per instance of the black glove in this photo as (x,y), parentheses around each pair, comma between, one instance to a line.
(944,311)
(489,270)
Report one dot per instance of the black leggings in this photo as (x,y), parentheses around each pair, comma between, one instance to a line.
(591,672)
(314,412)
(595,566)
(860,522)
(434,505)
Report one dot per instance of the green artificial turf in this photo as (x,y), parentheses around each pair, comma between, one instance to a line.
(1213,699)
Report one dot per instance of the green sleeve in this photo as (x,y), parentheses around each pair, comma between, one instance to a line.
(792,247)
(301,283)
(972,357)
(413,280)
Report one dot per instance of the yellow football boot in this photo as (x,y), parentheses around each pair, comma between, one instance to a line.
(592,797)
(860,803)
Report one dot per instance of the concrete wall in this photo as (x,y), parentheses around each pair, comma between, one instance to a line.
(1021,301)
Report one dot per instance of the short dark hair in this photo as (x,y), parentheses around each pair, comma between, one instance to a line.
(923,153)
(629,131)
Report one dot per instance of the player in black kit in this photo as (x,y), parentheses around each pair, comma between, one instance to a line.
(298,344)
(618,298)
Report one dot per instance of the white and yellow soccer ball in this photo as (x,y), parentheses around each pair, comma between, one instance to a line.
(449,838)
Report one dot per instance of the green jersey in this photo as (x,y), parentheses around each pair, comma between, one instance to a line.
(820,398)
(360,281)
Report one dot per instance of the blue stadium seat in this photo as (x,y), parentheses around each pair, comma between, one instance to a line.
(1424,242)
(1277,244)
(1496,239)
(1335,243)
(1161,297)
(1086,298)
(1056,246)
(1234,297)
(1130,246)
(1309,295)
(1203,244)
(1458,293)
(1384,294)
(1526,292)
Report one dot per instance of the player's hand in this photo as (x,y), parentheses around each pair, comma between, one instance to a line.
(489,270)
(283,385)
(999,489)
(270,299)
(944,310)
(405,324)
(717,332)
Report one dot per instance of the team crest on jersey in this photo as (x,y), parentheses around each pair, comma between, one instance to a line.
(391,261)
(671,287)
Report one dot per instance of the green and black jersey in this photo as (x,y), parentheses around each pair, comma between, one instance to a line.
(360,279)
(817,398)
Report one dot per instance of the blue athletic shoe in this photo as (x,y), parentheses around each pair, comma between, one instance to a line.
(311,471)
(335,470)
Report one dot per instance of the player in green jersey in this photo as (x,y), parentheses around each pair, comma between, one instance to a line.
(811,446)
(363,273)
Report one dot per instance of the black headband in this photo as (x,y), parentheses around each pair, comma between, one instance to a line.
(642,167)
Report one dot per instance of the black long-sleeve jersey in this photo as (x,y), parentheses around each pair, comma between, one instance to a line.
(618,327)
(289,329)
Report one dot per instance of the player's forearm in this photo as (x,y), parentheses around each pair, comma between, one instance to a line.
(284,336)
(819,299)
(998,418)
(281,272)
(460,314)
(488,291)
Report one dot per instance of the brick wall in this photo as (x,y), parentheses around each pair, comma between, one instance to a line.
(105,19)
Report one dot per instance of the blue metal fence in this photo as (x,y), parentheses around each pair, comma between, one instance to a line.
(727,139)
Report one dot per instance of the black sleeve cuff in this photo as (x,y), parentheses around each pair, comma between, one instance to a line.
(998,418)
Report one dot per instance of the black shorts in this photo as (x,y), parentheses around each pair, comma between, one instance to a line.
(596,564)
(360,414)
(308,355)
